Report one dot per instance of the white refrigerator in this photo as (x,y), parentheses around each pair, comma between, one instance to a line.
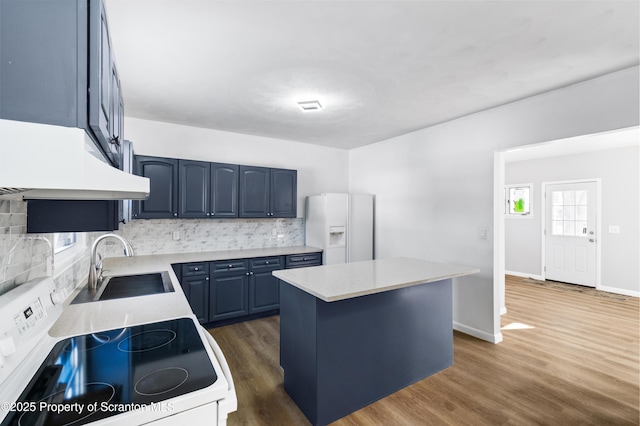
(341,225)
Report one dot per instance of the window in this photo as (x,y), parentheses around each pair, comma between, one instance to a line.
(518,200)
(64,241)
(68,248)
(569,213)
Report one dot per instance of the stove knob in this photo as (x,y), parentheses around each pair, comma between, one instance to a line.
(7,346)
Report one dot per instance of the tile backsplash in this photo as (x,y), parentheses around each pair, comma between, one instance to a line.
(24,257)
(158,236)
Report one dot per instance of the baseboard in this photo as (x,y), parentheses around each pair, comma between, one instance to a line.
(619,291)
(493,338)
(525,275)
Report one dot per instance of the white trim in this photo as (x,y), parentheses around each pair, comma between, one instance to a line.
(492,338)
(499,242)
(503,310)
(598,182)
(525,275)
(617,290)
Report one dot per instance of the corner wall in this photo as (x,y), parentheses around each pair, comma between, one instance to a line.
(434,187)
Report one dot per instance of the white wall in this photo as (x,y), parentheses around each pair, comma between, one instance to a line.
(619,171)
(434,187)
(320,169)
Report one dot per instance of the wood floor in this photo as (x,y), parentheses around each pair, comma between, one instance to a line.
(568,358)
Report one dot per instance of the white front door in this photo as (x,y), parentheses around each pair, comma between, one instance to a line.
(570,234)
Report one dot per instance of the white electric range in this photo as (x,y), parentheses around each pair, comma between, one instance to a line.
(161,373)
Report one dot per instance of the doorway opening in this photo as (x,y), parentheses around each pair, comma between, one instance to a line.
(560,154)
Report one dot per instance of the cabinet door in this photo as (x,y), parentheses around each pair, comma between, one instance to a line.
(254,191)
(224,190)
(194,189)
(264,288)
(163,193)
(100,76)
(116,119)
(196,289)
(42,75)
(283,197)
(72,215)
(228,297)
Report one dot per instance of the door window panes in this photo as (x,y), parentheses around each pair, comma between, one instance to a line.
(569,213)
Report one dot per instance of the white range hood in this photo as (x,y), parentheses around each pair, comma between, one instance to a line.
(40,161)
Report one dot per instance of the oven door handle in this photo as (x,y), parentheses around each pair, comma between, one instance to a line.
(228,404)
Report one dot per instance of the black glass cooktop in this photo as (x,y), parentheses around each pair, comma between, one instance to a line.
(90,377)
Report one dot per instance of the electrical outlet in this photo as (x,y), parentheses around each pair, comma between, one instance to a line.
(613,229)
(176,235)
(482,233)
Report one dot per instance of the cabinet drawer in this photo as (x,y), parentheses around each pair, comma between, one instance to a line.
(241,265)
(303,260)
(191,269)
(267,263)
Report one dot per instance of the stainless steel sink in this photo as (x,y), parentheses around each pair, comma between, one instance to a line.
(123,286)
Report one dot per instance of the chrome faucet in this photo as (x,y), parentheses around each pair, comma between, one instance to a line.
(95,268)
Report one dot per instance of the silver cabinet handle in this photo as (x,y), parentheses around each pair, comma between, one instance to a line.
(175,214)
(207,279)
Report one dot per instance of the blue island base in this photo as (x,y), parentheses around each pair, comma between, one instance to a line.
(341,356)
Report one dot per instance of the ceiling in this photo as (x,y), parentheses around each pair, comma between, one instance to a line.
(379,68)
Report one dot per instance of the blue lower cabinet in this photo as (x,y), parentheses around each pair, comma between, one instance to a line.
(264,288)
(196,288)
(228,297)
(228,291)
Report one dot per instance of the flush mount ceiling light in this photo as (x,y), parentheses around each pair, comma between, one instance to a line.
(310,105)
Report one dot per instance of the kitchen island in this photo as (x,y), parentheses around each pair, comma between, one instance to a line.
(353,333)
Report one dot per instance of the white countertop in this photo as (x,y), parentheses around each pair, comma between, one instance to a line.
(347,280)
(83,318)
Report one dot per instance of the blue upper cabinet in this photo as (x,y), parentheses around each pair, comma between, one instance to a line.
(163,192)
(254,192)
(284,194)
(266,192)
(200,189)
(207,189)
(224,190)
(194,181)
(57,67)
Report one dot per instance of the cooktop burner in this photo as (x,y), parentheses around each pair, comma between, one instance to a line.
(100,392)
(147,340)
(161,381)
(90,377)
